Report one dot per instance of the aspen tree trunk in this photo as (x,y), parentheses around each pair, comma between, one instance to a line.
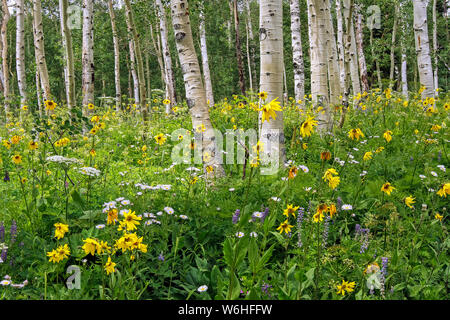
(149,85)
(354,70)
(133,71)
(5,64)
(238,49)
(88,55)
(361,55)
(333,63)
(297,51)
(139,61)
(319,61)
(40,50)
(271,80)
(423,47)
(205,61)
(404,75)
(435,50)
(158,55)
(340,43)
(250,47)
(229,23)
(69,69)
(170,82)
(195,92)
(116,56)
(20,52)
(392,56)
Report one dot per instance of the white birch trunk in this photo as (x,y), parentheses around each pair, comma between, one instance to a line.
(20,51)
(195,92)
(354,70)
(116,55)
(392,55)
(271,80)
(158,55)
(250,47)
(69,68)
(133,71)
(423,47)
(205,61)
(88,54)
(361,55)
(4,54)
(170,83)
(297,51)
(435,50)
(333,63)
(340,43)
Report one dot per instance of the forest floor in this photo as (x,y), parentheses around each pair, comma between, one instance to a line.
(360,213)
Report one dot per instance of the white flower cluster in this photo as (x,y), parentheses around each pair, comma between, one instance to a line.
(89,171)
(157,187)
(61,159)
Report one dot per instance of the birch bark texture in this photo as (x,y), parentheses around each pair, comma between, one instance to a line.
(271,81)
(69,73)
(20,51)
(139,60)
(112,16)
(423,47)
(88,54)
(205,60)
(169,79)
(297,51)
(195,92)
(4,54)
(354,70)
(361,55)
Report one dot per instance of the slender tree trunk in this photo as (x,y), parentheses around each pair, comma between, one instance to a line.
(319,61)
(340,43)
(361,55)
(251,47)
(435,49)
(333,63)
(205,61)
(158,56)
(423,47)
(139,60)
(404,30)
(20,51)
(170,83)
(133,71)
(88,55)
(297,51)
(354,70)
(271,80)
(116,55)
(195,92)
(392,56)
(69,68)
(238,49)
(5,64)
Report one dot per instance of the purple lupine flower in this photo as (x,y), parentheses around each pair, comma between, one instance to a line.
(339,203)
(2,232)
(236,216)
(301,212)
(4,255)
(13,231)
(265,214)
(325,231)
(161,257)
(384,263)
(265,288)
(6,178)
(358,229)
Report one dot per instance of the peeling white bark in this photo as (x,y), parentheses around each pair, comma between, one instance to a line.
(297,51)
(205,60)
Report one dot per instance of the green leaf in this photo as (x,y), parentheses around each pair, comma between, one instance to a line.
(228,252)
(77,198)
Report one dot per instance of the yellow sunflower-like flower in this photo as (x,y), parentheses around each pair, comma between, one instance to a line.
(345,287)
(50,105)
(290,210)
(130,221)
(90,246)
(269,110)
(60,230)
(387,188)
(388,135)
(109,266)
(307,127)
(444,190)
(160,139)
(367,155)
(355,134)
(409,201)
(285,226)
